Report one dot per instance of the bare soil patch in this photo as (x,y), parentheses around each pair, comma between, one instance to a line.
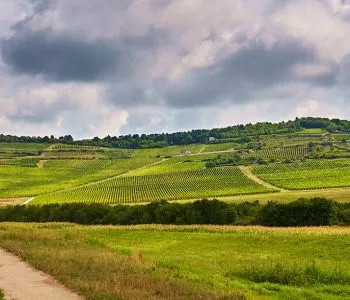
(20,281)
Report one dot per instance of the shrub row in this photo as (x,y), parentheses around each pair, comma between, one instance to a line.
(303,212)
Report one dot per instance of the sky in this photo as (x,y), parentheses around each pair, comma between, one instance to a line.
(96,68)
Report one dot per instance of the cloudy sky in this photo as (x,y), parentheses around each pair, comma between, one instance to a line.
(99,67)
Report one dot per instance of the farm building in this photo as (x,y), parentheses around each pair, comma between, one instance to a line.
(185,152)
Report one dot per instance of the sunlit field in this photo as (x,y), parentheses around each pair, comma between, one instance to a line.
(188,262)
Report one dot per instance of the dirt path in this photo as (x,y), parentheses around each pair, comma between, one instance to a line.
(248,172)
(28,201)
(11,201)
(19,281)
(201,150)
(41,163)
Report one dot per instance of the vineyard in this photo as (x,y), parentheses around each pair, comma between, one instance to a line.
(73,173)
(22,181)
(292,153)
(272,141)
(69,155)
(64,147)
(313,174)
(171,186)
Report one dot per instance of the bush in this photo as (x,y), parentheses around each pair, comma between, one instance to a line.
(303,212)
(210,164)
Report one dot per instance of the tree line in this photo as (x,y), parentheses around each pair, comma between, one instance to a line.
(238,133)
(303,212)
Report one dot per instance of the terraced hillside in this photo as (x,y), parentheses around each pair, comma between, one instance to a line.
(277,163)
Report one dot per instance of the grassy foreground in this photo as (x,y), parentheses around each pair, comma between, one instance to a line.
(188,262)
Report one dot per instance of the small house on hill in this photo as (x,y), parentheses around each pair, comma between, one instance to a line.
(185,152)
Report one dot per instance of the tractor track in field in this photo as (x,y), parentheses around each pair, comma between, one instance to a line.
(19,281)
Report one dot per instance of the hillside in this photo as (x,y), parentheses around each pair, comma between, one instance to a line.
(84,180)
(262,160)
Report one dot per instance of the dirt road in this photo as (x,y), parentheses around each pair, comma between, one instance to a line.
(19,281)
(248,172)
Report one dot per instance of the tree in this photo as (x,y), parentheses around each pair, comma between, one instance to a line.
(210,164)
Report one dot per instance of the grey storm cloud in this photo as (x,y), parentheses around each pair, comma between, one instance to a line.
(61,58)
(253,67)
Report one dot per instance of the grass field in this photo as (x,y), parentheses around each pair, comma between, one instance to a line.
(220,147)
(175,164)
(336,194)
(313,174)
(188,262)
(312,131)
(168,166)
(22,146)
(168,151)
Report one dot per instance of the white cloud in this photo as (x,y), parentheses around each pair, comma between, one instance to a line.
(110,123)
(12,11)
(311,70)
(317,108)
(316,24)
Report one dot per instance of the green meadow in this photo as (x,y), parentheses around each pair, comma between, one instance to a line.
(193,262)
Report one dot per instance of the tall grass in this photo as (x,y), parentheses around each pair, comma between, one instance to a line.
(188,262)
(94,271)
(287,274)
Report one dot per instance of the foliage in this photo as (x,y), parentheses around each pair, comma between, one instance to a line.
(304,212)
(238,134)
